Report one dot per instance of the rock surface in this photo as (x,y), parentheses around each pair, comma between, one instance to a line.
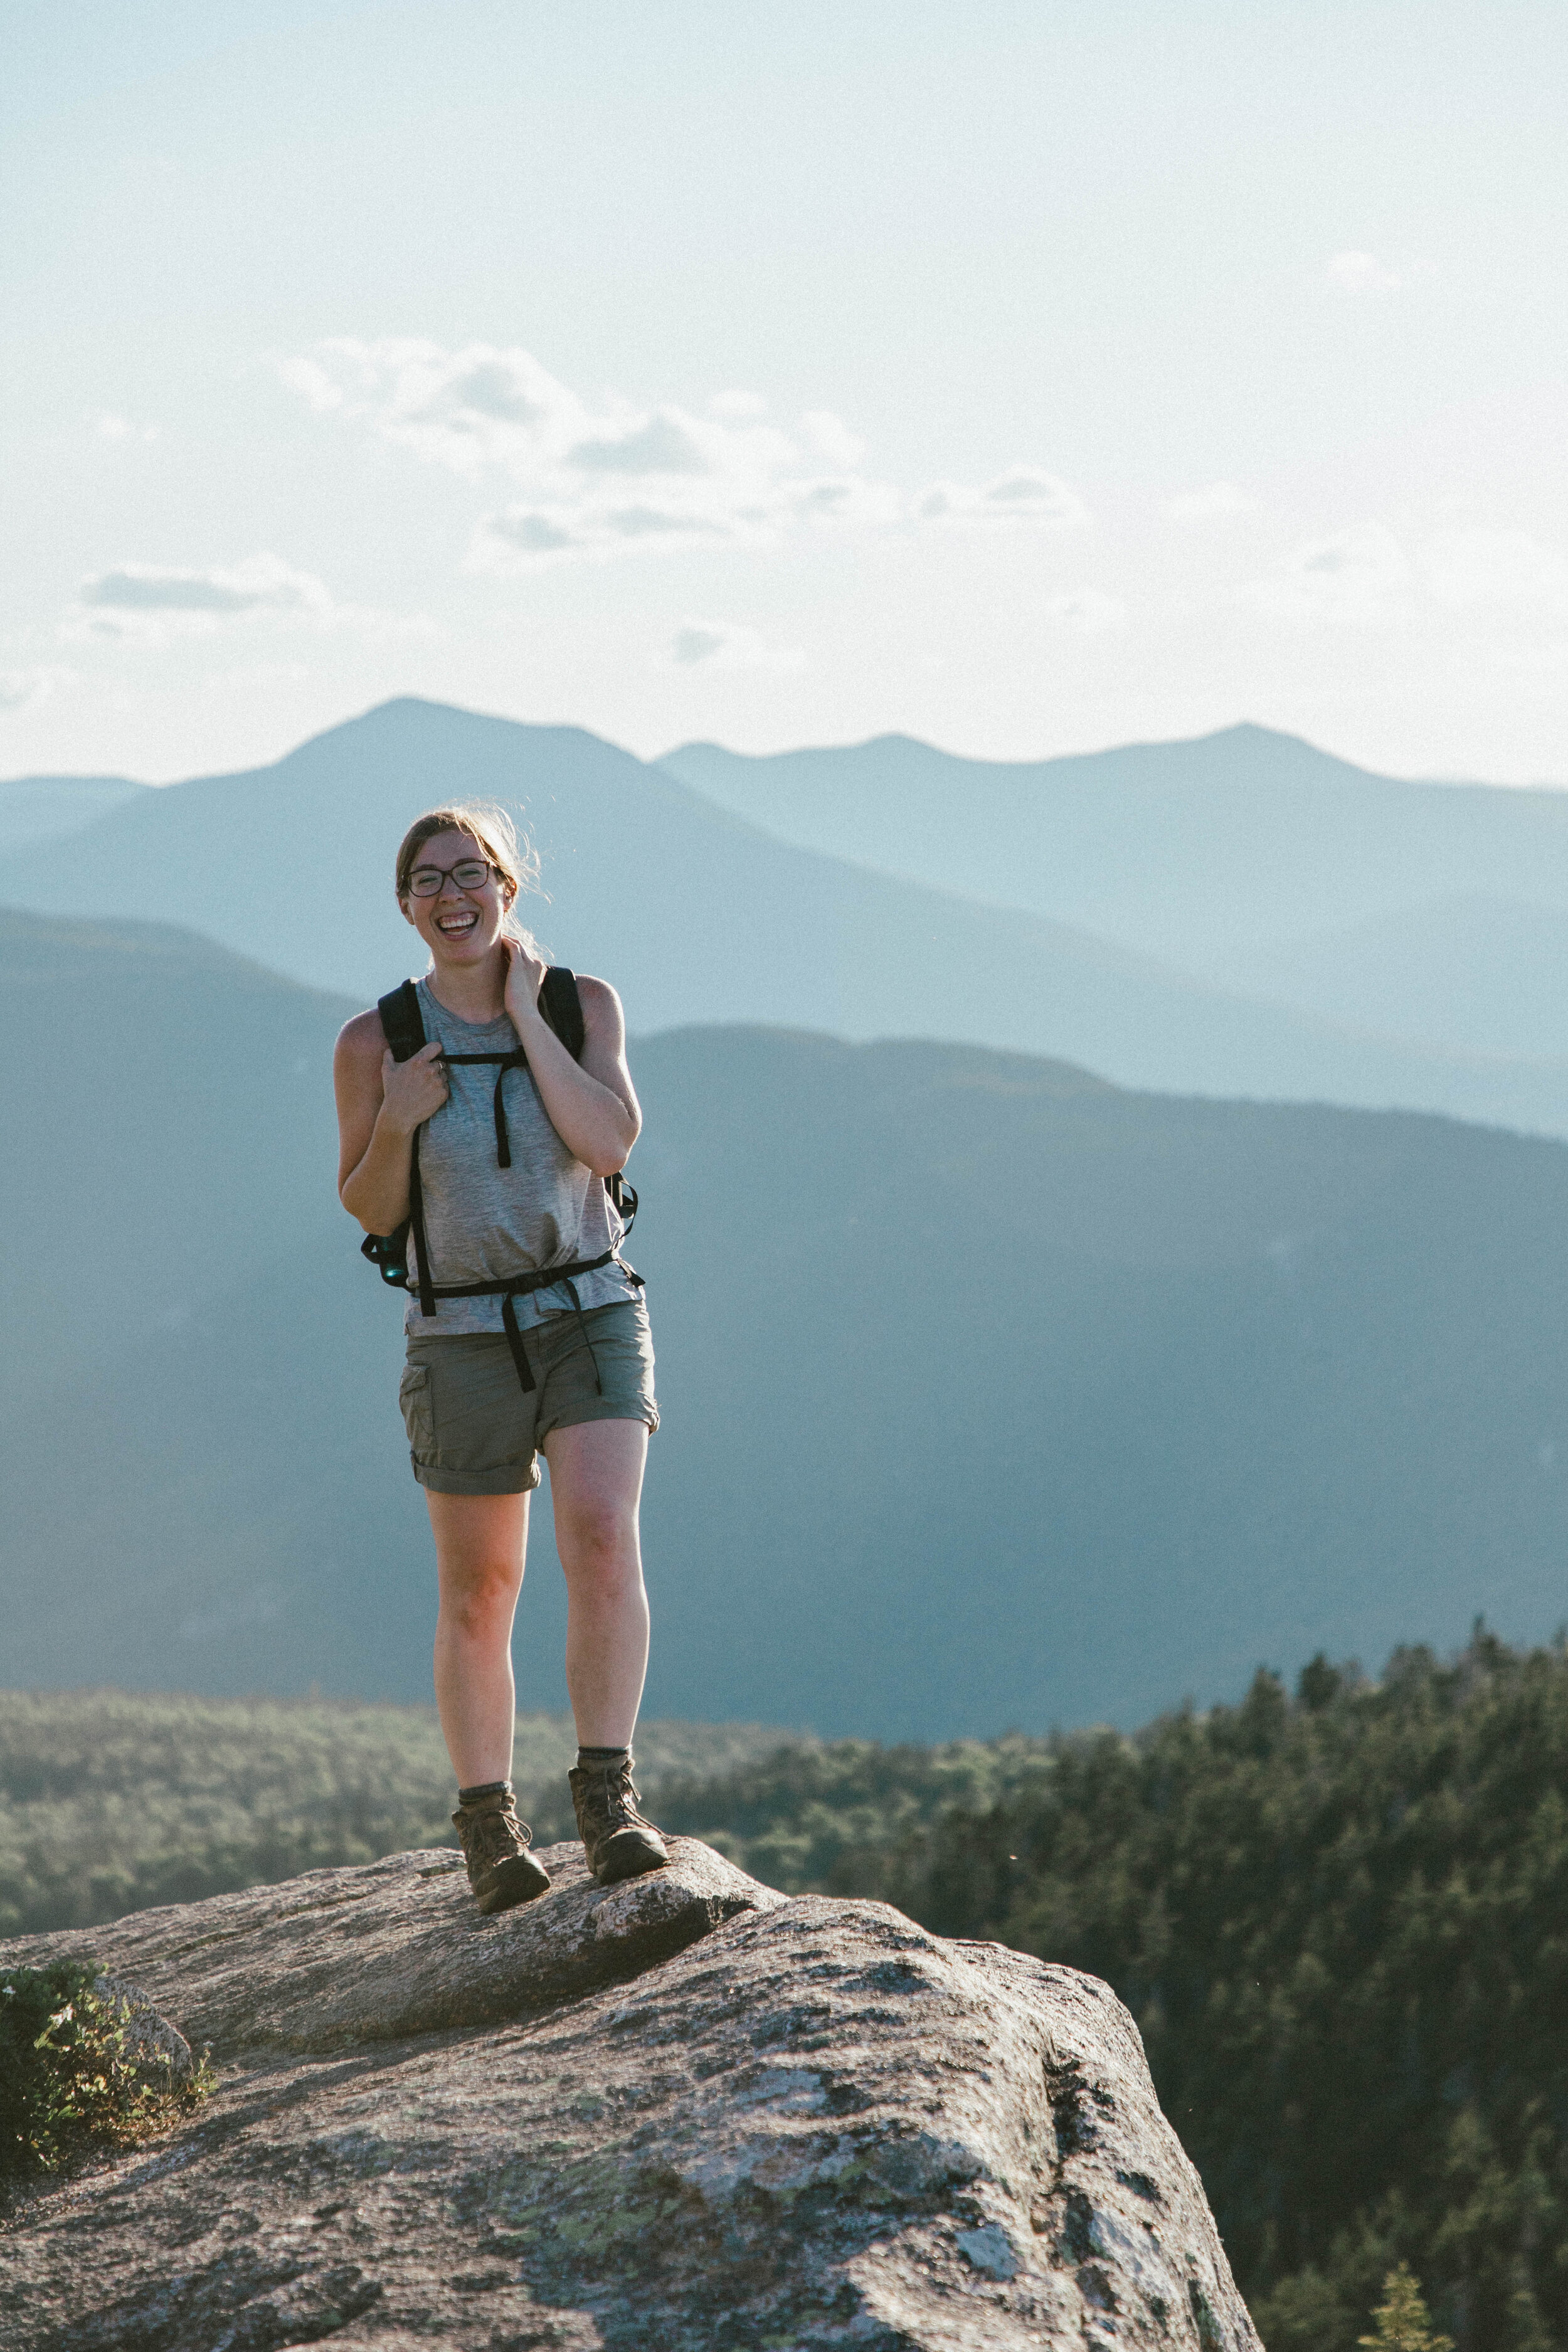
(683,2113)
(337,1957)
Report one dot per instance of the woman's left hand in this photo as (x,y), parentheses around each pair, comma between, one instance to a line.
(525,979)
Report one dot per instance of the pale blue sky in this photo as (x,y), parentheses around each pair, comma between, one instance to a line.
(1159,366)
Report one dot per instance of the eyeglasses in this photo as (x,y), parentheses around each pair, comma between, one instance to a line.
(468,874)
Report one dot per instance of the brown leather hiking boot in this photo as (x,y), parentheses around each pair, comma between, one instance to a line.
(501,1871)
(617,1841)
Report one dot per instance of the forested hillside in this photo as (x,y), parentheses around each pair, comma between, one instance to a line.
(1340,1916)
(110,1802)
(1340,1920)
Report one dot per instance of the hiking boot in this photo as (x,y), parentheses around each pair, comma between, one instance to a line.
(501,1871)
(617,1841)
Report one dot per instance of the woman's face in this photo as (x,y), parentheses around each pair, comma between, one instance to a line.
(459,923)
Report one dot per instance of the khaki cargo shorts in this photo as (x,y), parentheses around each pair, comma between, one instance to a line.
(474,1429)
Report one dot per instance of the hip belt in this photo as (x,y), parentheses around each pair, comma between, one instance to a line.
(521,1286)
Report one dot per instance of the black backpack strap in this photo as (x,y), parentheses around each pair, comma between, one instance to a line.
(403,1024)
(402,1021)
(561,1003)
(562,1006)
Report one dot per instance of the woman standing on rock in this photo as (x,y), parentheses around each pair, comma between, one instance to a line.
(498,1143)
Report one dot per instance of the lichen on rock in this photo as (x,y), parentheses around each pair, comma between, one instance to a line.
(682,2112)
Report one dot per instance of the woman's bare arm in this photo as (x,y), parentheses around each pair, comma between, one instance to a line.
(593,1105)
(380,1104)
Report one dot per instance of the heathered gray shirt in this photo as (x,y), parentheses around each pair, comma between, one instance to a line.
(484,1222)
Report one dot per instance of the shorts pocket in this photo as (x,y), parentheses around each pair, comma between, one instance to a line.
(418,1409)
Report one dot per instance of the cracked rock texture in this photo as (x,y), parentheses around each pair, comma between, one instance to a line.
(680,2113)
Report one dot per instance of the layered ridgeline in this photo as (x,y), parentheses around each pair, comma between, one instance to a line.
(700,916)
(1433,912)
(51,808)
(993,1393)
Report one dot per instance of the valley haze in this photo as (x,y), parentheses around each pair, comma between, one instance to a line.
(1183,1380)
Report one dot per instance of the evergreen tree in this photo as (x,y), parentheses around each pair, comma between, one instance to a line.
(1402,2320)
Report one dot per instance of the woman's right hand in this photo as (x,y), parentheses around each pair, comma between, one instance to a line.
(414,1090)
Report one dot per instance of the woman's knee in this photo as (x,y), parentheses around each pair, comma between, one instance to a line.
(598,1539)
(479,1597)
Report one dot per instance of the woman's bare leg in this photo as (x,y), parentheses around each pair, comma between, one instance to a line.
(480,1543)
(595,1485)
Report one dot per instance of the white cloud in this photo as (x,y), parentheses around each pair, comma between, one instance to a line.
(20,689)
(1362,273)
(262,584)
(610,478)
(149,600)
(827,437)
(1357,577)
(1089,609)
(113,428)
(1495,567)
(1025,494)
(663,445)
(727,645)
(733,404)
(1214,499)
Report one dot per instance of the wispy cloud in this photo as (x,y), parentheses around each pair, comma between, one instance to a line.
(1089,609)
(1496,567)
(728,644)
(1357,272)
(1355,578)
(1213,500)
(150,602)
(262,584)
(1025,494)
(113,428)
(21,689)
(594,479)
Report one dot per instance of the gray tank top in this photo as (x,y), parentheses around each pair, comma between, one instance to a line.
(483,1221)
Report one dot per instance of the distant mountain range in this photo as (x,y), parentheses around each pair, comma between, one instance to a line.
(1188,851)
(42,808)
(1431,912)
(1472,974)
(993,1393)
(1097,868)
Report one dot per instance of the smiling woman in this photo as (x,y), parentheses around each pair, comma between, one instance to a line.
(500,1142)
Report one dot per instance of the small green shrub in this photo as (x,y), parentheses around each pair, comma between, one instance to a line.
(1402,2325)
(69,2079)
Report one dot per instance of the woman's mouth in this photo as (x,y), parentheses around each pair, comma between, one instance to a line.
(453,927)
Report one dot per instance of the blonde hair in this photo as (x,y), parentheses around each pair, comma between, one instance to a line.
(516,861)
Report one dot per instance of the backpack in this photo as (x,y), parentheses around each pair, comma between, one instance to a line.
(403,1026)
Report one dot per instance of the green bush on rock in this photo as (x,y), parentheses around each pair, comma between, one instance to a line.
(70,2077)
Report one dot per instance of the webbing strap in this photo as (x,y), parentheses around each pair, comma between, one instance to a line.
(561,1007)
(416,1219)
(521,1286)
(515,1060)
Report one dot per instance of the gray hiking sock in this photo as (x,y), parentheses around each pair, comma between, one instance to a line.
(487,1789)
(597,1758)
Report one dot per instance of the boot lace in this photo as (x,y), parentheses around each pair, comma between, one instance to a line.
(621,1800)
(494,1837)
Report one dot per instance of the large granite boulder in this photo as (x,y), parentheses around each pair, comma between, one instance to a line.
(682,2112)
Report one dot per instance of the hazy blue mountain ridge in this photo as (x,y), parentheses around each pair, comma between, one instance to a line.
(50,808)
(698,916)
(1428,912)
(168,1113)
(1182,850)
(1479,975)
(992,1393)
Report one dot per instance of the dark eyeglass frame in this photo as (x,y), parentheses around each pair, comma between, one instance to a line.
(486,866)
